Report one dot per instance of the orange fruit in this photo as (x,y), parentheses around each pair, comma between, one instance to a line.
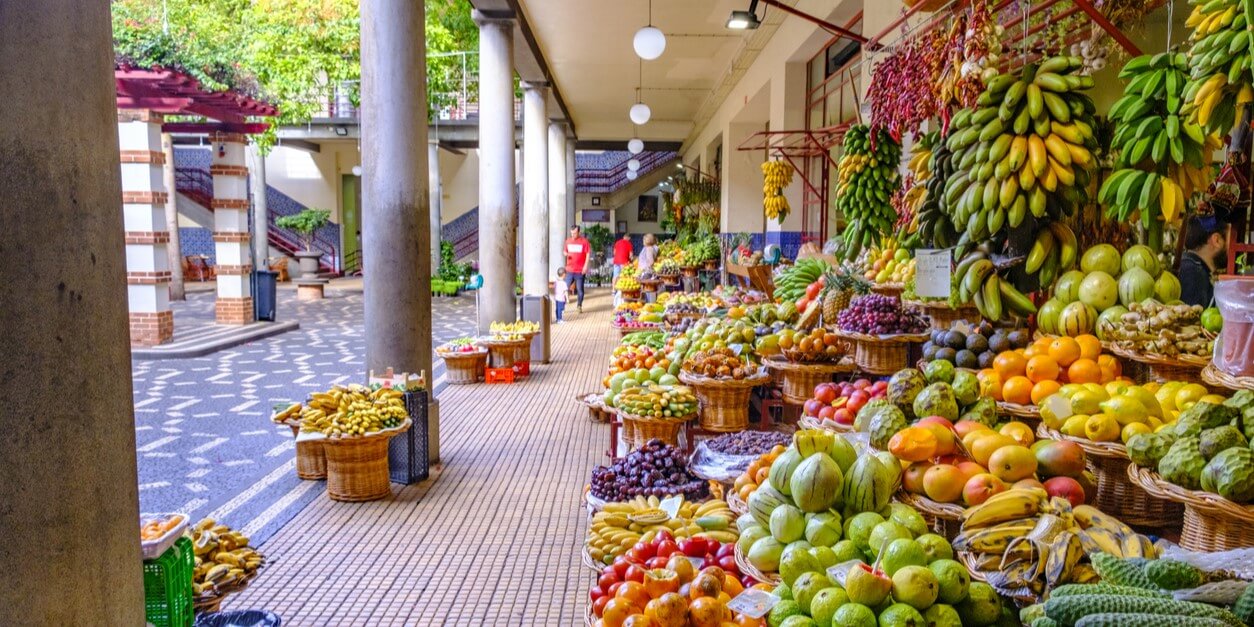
(1112,363)
(1090,346)
(1043,389)
(1034,350)
(983,448)
(1009,364)
(990,383)
(1018,390)
(1042,368)
(1064,350)
(1084,370)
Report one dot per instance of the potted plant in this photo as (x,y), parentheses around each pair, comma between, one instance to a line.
(306,223)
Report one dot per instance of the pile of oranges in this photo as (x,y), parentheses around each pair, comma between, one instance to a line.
(756,474)
(1027,376)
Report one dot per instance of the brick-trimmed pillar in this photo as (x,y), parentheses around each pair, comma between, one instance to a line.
(147,236)
(231,242)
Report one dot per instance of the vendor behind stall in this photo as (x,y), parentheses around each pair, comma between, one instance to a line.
(1206,242)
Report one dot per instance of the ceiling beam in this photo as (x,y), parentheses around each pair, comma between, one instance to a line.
(538,55)
(609,144)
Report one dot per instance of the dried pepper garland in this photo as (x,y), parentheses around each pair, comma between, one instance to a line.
(902,92)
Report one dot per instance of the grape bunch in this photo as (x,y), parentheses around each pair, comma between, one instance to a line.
(876,314)
(655,469)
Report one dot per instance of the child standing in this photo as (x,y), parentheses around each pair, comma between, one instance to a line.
(559,293)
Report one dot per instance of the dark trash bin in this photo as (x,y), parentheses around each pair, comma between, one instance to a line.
(239,618)
(265,294)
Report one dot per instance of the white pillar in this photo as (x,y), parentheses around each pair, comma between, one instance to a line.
(143,212)
(174,251)
(497,226)
(261,213)
(535,210)
(231,242)
(436,190)
(570,184)
(557,195)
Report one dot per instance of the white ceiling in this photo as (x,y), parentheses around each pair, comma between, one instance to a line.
(587,47)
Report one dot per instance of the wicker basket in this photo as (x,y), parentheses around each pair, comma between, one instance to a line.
(889,289)
(724,402)
(1116,494)
(798,380)
(1162,368)
(311,460)
(1211,522)
(1216,378)
(944,518)
(942,315)
(650,285)
(689,271)
(596,407)
(585,558)
(669,279)
(357,467)
(630,295)
(624,331)
(1029,414)
(637,430)
(742,562)
(464,368)
(212,601)
(882,354)
(506,353)
(736,504)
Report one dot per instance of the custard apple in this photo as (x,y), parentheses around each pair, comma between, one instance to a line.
(1183,463)
(1202,416)
(904,387)
(937,400)
(1231,475)
(884,424)
(1213,441)
(1147,449)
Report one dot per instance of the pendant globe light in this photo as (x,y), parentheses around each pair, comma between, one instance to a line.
(632,174)
(633,164)
(635,146)
(649,41)
(639,112)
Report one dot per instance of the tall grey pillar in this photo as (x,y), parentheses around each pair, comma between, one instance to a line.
(436,188)
(535,210)
(571,218)
(497,224)
(173,248)
(557,195)
(261,213)
(395,230)
(69,499)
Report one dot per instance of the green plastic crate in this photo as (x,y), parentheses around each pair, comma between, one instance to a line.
(168,586)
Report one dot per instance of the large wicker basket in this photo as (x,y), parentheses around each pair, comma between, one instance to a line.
(814,422)
(1211,522)
(1116,494)
(889,289)
(882,354)
(464,368)
(798,380)
(505,353)
(942,315)
(742,562)
(311,460)
(1216,378)
(944,518)
(736,504)
(357,467)
(724,402)
(1162,368)
(638,430)
(212,601)
(1029,414)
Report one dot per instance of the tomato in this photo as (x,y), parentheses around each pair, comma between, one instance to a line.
(595,593)
(607,579)
(648,551)
(656,562)
(692,547)
(727,562)
(613,589)
(812,291)
(598,606)
(666,548)
(634,573)
(725,550)
(620,566)
(663,536)
(636,556)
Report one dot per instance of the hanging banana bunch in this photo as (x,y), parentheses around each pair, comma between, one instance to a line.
(864,191)
(1163,158)
(776,175)
(911,203)
(1221,62)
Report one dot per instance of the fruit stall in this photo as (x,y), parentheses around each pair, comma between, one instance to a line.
(1033,430)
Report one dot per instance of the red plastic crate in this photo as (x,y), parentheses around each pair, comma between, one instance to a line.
(498,375)
(522,368)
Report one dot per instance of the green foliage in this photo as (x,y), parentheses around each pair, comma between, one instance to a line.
(599,238)
(306,223)
(449,269)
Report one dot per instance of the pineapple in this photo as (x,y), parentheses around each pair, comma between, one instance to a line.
(841,288)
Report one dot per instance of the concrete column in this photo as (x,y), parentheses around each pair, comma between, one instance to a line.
(69,498)
(741,182)
(396,234)
(261,217)
(788,94)
(535,210)
(173,250)
(497,225)
(144,211)
(570,184)
(557,195)
(436,188)
(231,242)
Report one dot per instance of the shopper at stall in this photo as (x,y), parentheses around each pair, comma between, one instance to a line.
(648,254)
(1206,243)
(560,288)
(623,254)
(578,260)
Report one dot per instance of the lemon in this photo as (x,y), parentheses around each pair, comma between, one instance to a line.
(1189,394)
(1213,399)
(1147,399)
(1166,425)
(1097,389)
(1125,409)
(1069,389)
(1101,428)
(1133,429)
(1153,423)
(1116,387)
(1152,386)
(1088,401)
(1074,426)
(1166,394)
(1055,410)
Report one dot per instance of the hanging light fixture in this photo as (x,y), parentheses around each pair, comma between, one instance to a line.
(649,41)
(633,164)
(632,174)
(635,146)
(639,112)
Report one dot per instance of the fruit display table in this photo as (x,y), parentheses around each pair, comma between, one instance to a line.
(754,277)
(505,352)
(465,367)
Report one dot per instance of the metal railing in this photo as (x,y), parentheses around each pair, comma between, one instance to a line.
(196,184)
(609,180)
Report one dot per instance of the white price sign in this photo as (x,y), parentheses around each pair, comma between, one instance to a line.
(670,505)
(931,274)
(753,603)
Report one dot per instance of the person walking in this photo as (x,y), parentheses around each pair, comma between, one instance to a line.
(623,254)
(559,293)
(1206,244)
(578,260)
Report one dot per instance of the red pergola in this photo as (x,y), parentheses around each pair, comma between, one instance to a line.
(174,93)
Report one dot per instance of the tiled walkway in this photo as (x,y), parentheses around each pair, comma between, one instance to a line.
(493,540)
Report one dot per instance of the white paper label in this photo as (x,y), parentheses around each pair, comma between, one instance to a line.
(670,505)
(697,562)
(753,603)
(931,274)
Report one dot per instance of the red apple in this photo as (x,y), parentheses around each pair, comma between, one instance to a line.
(1067,488)
(606,580)
(727,562)
(812,407)
(980,487)
(635,573)
(825,393)
(857,400)
(843,416)
(827,412)
(862,383)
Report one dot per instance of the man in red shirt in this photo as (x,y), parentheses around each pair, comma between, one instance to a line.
(578,260)
(622,257)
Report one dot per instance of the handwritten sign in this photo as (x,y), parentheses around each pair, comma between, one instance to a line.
(670,505)
(931,274)
(753,603)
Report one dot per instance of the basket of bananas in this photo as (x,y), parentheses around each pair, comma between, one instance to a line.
(224,563)
(354,424)
(311,461)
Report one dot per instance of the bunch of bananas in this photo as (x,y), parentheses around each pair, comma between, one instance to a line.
(705,249)
(868,178)
(1221,62)
(1025,149)
(1162,158)
(353,410)
(776,175)
(222,557)
(619,526)
(657,400)
(1023,539)
(920,164)
(518,327)
(1054,252)
(792,281)
(975,280)
(933,227)
(909,202)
